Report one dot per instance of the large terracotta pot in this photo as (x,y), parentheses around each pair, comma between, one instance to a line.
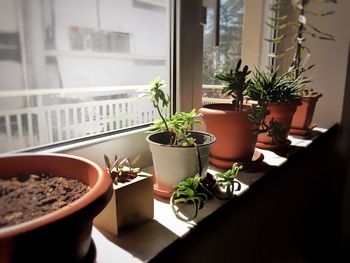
(302,120)
(283,113)
(235,134)
(65,234)
(173,164)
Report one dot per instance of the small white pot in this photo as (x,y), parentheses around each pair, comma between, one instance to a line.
(173,164)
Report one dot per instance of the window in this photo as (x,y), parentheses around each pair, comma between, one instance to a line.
(233,29)
(75,68)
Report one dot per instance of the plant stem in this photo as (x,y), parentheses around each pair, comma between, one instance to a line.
(299,41)
(163,119)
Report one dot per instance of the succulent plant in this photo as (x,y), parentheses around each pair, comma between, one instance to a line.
(237,84)
(179,125)
(121,169)
(227,179)
(188,191)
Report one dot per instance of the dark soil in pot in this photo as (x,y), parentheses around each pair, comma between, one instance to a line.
(26,197)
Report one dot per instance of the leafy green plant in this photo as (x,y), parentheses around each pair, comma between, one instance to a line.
(159,98)
(275,130)
(237,84)
(188,191)
(121,169)
(227,179)
(268,87)
(280,23)
(179,125)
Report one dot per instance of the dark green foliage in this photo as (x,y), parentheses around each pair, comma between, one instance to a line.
(276,131)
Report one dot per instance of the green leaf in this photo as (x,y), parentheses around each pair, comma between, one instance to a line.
(107,162)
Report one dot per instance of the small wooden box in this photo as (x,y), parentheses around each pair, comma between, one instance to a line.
(131,205)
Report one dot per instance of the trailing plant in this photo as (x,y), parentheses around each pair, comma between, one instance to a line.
(297,30)
(188,191)
(227,179)
(121,169)
(179,125)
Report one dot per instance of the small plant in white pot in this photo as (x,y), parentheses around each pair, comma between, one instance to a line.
(177,151)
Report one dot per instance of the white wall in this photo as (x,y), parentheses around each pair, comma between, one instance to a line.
(330,59)
(331,63)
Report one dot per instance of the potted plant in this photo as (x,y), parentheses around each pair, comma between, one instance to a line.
(132,200)
(177,151)
(281,94)
(302,120)
(235,125)
(64,233)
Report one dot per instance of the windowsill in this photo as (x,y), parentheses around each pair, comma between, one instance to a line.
(148,240)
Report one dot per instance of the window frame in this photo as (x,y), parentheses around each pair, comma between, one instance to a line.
(185,63)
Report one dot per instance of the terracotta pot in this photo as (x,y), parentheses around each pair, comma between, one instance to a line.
(235,136)
(65,234)
(173,164)
(302,120)
(283,113)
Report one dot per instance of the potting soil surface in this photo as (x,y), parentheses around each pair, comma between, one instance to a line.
(27,197)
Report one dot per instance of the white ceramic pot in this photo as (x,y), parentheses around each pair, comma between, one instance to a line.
(173,164)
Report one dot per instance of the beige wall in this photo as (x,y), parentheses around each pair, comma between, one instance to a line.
(330,59)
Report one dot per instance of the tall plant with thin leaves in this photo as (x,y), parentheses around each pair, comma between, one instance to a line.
(299,28)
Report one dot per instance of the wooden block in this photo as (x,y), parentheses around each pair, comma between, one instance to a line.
(131,205)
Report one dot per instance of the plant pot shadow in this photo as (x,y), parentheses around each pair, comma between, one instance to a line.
(249,177)
(292,149)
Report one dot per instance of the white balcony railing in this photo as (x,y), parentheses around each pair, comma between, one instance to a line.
(33,126)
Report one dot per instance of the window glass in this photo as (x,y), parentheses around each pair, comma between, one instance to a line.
(222,43)
(73,68)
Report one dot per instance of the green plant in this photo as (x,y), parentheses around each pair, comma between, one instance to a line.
(268,87)
(297,30)
(159,97)
(188,191)
(120,170)
(179,125)
(226,179)
(237,84)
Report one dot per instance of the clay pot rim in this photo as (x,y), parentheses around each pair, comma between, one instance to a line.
(212,140)
(290,103)
(102,184)
(207,110)
(315,96)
